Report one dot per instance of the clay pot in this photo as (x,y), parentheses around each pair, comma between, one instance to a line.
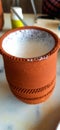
(31,79)
(1,16)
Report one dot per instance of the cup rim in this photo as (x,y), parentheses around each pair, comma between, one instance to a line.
(38,58)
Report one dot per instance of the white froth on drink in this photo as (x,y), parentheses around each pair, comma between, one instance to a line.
(28,43)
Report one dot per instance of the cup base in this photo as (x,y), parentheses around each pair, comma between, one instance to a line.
(33,100)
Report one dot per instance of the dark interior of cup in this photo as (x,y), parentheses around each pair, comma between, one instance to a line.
(28,43)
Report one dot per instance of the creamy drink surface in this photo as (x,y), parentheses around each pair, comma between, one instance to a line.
(28,43)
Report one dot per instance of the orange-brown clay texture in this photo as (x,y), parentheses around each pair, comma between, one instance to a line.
(31,81)
(1,16)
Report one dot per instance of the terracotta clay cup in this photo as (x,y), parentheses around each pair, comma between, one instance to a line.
(30,57)
(1,16)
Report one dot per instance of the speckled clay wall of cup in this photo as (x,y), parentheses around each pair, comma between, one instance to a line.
(1,16)
(30,72)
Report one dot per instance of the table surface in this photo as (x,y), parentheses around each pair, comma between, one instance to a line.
(16,115)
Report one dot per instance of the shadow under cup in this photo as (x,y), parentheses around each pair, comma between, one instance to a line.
(30,57)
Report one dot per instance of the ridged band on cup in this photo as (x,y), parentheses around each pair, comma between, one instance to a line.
(33,95)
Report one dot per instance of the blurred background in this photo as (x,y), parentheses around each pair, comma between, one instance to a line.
(50,7)
(25,4)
